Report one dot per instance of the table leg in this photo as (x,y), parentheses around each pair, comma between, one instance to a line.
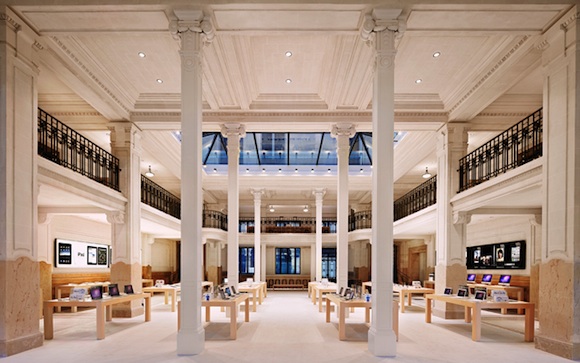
(367,315)
(402,301)
(58,297)
(467,314)
(428,310)
(529,324)
(173,299)
(520,298)
(313,296)
(109,312)
(341,321)
(247,317)
(233,320)
(178,315)
(327,310)
(48,323)
(166,297)
(207,313)
(476,323)
(409,295)
(253,300)
(319,301)
(147,308)
(260,295)
(101,321)
(396,319)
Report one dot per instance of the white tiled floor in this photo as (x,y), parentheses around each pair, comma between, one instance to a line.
(286,328)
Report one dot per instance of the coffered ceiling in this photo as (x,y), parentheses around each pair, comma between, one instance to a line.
(488,73)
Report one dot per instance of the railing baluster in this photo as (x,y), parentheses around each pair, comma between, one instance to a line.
(417,199)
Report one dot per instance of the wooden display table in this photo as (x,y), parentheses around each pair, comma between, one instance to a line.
(168,290)
(87,286)
(518,291)
(103,307)
(473,312)
(147,282)
(343,304)
(318,290)
(257,291)
(232,304)
(409,291)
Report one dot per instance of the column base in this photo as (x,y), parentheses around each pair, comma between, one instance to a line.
(190,342)
(20,344)
(563,349)
(382,343)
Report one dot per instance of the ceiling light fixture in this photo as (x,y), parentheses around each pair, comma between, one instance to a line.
(159,80)
(288,80)
(436,54)
(272,209)
(288,54)
(418,81)
(305,209)
(141,54)
(149,173)
(427,174)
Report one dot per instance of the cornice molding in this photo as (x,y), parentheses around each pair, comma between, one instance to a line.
(483,79)
(89,73)
(564,25)
(8,20)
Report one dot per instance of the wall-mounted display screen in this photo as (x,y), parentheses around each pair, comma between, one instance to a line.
(76,254)
(505,255)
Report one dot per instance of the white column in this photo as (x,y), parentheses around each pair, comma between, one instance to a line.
(188,28)
(382,29)
(233,132)
(257,233)
(317,255)
(263,259)
(342,133)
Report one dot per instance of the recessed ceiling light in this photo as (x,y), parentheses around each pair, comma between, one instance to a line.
(288,80)
(436,54)
(295,170)
(159,80)
(329,170)
(141,54)
(247,170)
(263,170)
(418,81)
(279,170)
(361,170)
(288,54)
(312,170)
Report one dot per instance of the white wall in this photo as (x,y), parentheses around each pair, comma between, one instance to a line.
(483,231)
(163,255)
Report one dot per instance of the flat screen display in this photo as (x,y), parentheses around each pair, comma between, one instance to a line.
(470,277)
(505,255)
(486,279)
(505,279)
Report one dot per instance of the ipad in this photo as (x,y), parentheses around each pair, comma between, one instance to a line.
(462,293)
(448,291)
(480,295)
(96,292)
(234,291)
(341,291)
(128,289)
(228,291)
(113,290)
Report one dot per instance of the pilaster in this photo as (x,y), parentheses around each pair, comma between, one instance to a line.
(381,30)
(450,243)
(257,193)
(19,266)
(559,285)
(317,255)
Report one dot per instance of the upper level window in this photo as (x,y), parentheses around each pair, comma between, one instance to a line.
(288,261)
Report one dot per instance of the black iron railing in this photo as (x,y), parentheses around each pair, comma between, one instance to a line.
(419,198)
(295,225)
(154,195)
(360,220)
(64,146)
(516,146)
(215,219)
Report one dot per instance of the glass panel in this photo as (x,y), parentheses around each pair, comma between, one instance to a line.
(206,142)
(248,153)
(272,148)
(367,138)
(218,154)
(328,151)
(358,154)
(304,148)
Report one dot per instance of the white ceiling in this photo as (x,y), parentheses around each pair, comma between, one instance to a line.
(488,74)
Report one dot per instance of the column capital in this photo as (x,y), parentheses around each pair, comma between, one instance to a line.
(191,20)
(461,218)
(44,218)
(257,193)
(115,217)
(233,129)
(125,134)
(319,193)
(343,129)
(380,20)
